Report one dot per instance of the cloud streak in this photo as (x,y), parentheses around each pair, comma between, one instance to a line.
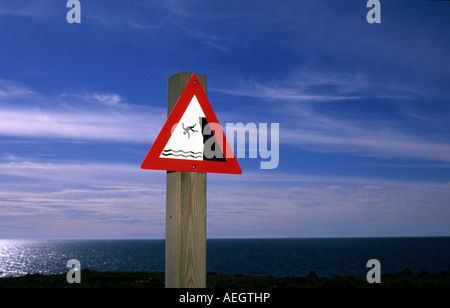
(362,138)
(79,116)
(307,85)
(101,199)
(80,199)
(29,9)
(300,106)
(305,205)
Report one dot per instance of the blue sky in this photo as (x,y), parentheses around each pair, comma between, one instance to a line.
(363,111)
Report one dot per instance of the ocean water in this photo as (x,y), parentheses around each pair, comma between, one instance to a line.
(259,257)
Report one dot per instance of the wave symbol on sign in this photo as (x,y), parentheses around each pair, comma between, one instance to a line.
(192,154)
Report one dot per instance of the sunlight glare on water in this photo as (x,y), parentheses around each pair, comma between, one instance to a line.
(20,257)
(11,258)
(45,257)
(256,257)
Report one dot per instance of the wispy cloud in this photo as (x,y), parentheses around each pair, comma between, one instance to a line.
(214,41)
(309,85)
(179,8)
(374,136)
(306,124)
(133,126)
(277,93)
(29,8)
(80,199)
(99,199)
(10,90)
(78,116)
(311,205)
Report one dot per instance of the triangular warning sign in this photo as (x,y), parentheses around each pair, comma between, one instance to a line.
(192,139)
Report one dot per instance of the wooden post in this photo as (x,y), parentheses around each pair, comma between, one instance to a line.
(185,213)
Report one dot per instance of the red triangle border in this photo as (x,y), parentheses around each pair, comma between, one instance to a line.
(154,162)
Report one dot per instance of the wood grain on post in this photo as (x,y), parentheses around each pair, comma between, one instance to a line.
(185,212)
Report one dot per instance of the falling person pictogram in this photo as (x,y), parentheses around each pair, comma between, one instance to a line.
(188,129)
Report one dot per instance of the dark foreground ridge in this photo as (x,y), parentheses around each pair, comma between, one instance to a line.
(94,279)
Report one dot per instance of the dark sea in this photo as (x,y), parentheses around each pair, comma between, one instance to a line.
(257,257)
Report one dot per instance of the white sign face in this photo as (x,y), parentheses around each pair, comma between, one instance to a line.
(186,141)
